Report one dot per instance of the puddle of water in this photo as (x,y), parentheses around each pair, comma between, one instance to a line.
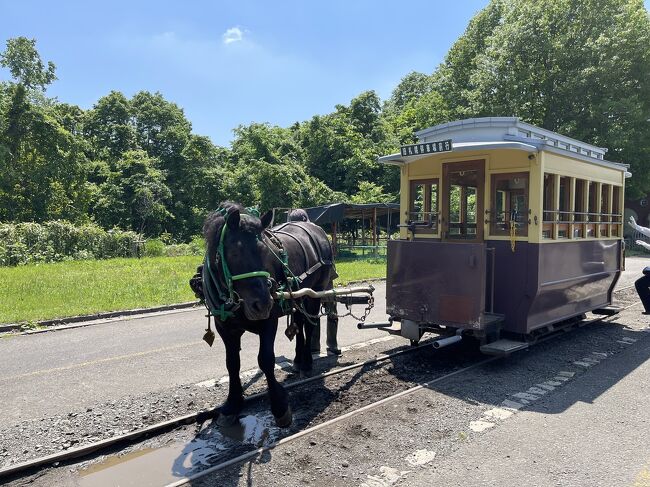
(163,465)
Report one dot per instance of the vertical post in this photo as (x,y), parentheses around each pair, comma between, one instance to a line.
(572,207)
(610,210)
(334,239)
(374,228)
(363,229)
(598,209)
(556,205)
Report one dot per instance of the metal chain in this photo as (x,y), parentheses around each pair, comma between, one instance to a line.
(310,317)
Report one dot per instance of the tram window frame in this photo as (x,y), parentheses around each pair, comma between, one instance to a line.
(432,224)
(591,230)
(605,210)
(501,226)
(564,213)
(549,219)
(617,217)
(579,208)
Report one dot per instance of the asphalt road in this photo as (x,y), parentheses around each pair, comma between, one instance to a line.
(55,372)
(60,371)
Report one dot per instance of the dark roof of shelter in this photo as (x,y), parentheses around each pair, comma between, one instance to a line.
(337,212)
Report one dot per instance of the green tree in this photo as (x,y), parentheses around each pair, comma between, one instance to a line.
(25,64)
(134,196)
(371,193)
(410,88)
(109,127)
(579,68)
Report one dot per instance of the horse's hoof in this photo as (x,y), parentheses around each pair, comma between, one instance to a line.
(226,420)
(333,351)
(285,420)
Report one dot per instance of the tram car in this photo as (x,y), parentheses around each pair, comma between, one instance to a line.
(507,232)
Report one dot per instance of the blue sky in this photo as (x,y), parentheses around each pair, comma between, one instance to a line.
(234,62)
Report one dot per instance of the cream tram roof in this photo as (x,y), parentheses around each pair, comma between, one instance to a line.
(505,133)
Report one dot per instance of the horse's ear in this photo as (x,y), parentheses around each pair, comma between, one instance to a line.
(267,219)
(233,219)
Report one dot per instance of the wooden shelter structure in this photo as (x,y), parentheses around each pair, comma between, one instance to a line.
(377,215)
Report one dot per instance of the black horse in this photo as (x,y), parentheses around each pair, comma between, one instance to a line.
(245,264)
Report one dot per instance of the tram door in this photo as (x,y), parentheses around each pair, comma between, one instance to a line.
(462,201)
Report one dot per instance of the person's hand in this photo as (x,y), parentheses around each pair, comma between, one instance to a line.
(643,244)
(633,223)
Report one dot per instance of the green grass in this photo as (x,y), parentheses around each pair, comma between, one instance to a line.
(44,291)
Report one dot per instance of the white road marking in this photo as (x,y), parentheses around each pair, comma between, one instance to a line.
(525,396)
(583,364)
(512,405)
(537,390)
(626,341)
(591,360)
(508,407)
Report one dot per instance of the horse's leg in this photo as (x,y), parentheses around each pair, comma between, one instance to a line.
(315,338)
(312,307)
(235,401)
(266,360)
(301,346)
(332,329)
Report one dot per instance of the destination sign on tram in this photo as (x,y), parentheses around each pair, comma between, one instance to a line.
(426,148)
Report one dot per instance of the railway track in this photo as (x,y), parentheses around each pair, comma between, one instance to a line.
(117,443)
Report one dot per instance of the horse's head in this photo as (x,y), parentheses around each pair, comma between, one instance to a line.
(235,250)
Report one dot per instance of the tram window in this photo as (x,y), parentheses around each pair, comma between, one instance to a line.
(580,210)
(549,219)
(564,213)
(454,207)
(463,204)
(592,211)
(604,211)
(509,204)
(616,212)
(471,210)
(423,208)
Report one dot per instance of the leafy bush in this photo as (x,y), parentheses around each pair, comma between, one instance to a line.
(154,248)
(54,241)
(195,247)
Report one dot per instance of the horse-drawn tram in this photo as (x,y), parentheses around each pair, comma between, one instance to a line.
(508,231)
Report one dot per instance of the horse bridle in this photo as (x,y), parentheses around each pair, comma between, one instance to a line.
(223,303)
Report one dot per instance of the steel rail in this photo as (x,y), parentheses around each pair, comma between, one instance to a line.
(152,430)
(164,426)
(252,454)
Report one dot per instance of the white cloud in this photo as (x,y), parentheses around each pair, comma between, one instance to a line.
(234,34)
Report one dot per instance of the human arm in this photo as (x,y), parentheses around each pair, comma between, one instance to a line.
(643,230)
(643,244)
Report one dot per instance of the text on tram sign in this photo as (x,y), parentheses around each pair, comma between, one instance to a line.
(426,148)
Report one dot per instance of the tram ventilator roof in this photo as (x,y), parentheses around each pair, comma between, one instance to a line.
(505,133)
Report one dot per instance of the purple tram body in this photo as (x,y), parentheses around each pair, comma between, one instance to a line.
(512,233)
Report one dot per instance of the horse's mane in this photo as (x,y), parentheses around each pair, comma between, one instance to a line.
(215,221)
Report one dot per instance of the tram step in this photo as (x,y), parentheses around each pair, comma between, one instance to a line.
(503,347)
(608,310)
